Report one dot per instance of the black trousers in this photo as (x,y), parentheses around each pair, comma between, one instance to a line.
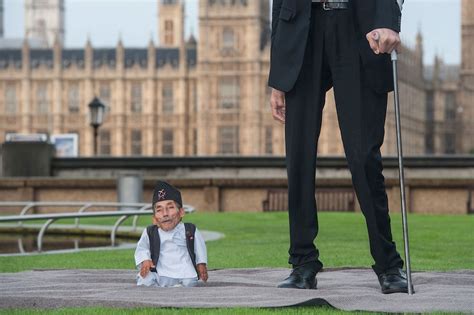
(332,60)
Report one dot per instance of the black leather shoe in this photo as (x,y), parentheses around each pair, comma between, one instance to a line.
(302,277)
(393,282)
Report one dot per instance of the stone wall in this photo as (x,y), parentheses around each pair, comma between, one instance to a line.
(428,195)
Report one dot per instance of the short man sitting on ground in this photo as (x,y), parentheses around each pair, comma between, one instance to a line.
(170,253)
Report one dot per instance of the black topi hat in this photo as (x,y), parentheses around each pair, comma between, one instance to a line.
(165,191)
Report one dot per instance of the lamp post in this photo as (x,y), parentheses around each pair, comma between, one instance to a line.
(96,110)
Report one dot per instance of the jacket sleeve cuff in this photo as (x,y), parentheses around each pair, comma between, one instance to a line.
(388,15)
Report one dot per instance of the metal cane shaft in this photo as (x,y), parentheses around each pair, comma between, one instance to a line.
(401,172)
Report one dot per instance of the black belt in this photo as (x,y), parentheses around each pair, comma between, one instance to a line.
(330,5)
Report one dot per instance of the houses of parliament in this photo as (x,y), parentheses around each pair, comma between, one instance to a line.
(207,96)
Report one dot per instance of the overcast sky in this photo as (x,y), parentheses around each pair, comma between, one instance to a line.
(136,20)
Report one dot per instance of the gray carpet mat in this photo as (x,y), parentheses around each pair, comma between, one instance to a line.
(345,289)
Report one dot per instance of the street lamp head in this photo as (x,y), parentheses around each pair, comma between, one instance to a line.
(96,109)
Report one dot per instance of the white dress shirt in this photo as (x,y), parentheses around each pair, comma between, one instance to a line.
(174,261)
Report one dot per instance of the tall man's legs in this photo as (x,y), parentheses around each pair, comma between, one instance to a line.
(332,58)
(304,106)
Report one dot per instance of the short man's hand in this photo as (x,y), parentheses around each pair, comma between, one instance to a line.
(202,269)
(145,269)
(383,40)
(277,103)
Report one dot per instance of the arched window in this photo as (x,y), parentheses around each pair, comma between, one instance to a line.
(228,137)
(10,99)
(73,98)
(167,142)
(136,97)
(169,32)
(136,142)
(229,93)
(228,38)
(42,100)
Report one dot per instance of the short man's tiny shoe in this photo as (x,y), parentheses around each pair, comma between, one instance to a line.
(302,277)
(393,282)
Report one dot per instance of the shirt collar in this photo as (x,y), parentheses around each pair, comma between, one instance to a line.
(177,229)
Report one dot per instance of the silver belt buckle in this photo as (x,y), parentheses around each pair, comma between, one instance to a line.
(325,6)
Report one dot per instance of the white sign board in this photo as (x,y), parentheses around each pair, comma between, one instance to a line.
(66,145)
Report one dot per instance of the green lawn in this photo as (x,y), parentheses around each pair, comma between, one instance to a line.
(437,242)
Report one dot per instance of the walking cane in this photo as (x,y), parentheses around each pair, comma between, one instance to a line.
(394,57)
(400,164)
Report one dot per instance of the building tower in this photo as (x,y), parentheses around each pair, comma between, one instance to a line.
(170,23)
(44,21)
(1,18)
(466,109)
(232,72)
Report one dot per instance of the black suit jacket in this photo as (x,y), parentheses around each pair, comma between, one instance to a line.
(290,26)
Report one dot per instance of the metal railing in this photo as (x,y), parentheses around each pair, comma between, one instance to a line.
(144,209)
(83,206)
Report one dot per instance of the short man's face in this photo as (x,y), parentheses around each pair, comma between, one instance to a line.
(167,214)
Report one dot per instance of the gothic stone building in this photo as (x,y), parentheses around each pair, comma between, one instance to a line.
(466,79)
(182,97)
